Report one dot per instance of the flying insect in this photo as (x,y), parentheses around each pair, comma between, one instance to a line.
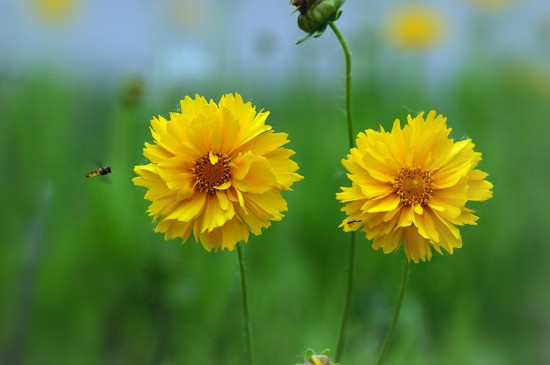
(101,171)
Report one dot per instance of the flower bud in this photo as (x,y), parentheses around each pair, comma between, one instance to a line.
(315,15)
(311,358)
(319,360)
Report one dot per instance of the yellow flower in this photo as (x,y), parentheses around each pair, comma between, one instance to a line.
(216,171)
(413,184)
(55,10)
(417,27)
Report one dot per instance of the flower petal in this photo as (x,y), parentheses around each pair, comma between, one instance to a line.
(189,209)
(480,189)
(381,204)
(416,247)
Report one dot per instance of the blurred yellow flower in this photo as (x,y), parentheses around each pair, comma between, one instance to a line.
(415,27)
(413,184)
(55,10)
(216,171)
(189,16)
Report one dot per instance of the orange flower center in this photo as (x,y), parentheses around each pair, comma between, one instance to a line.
(211,175)
(414,186)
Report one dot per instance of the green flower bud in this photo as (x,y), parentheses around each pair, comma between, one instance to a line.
(311,358)
(315,15)
(319,360)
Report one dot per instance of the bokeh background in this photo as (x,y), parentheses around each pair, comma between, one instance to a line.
(85,280)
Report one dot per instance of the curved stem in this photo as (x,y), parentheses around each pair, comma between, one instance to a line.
(347,54)
(351,264)
(396,313)
(247,325)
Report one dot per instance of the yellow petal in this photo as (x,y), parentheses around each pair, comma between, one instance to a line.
(447,239)
(213,158)
(389,242)
(226,185)
(225,237)
(213,215)
(240,165)
(479,188)
(187,210)
(405,217)
(381,204)
(426,226)
(260,177)
(265,144)
(379,170)
(179,230)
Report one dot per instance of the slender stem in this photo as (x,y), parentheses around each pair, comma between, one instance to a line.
(247,325)
(347,303)
(351,264)
(396,313)
(347,54)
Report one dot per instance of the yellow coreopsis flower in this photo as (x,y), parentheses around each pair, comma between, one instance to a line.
(415,27)
(412,184)
(216,170)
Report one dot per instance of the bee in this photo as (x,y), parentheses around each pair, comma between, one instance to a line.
(101,171)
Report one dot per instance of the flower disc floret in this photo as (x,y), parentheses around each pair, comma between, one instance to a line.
(216,171)
(414,186)
(411,185)
(212,171)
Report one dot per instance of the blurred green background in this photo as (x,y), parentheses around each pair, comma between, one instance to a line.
(85,280)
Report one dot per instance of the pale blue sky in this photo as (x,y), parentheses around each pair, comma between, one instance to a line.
(251,38)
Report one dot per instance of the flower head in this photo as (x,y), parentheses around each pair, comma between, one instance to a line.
(412,184)
(415,28)
(217,171)
(55,10)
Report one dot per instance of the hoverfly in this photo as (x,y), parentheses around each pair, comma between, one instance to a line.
(100,171)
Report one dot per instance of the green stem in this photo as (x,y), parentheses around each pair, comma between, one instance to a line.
(247,325)
(347,54)
(389,334)
(351,264)
(347,303)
